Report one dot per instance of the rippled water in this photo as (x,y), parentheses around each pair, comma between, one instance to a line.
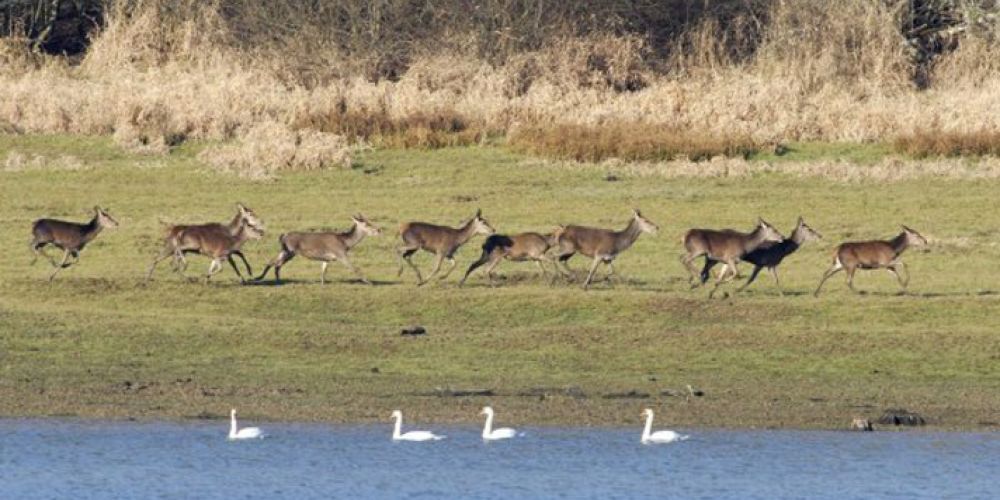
(60,459)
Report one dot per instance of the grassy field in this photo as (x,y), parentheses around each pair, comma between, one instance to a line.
(95,343)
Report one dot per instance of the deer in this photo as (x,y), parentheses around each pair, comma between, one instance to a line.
(219,246)
(770,255)
(727,246)
(442,241)
(71,237)
(516,248)
(875,254)
(326,247)
(601,245)
(175,245)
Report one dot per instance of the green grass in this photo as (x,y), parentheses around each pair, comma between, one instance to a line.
(96,343)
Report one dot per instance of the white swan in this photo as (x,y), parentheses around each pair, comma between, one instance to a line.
(412,435)
(489,434)
(245,433)
(649,437)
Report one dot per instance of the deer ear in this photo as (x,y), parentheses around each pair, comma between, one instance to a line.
(635,211)
(801,221)
(479,212)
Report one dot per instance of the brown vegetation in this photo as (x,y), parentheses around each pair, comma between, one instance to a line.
(578,80)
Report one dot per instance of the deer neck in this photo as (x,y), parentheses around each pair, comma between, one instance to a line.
(236,224)
(466,232)
(899,244)
(626,237)
(91,229)
(755,239)
(352,236)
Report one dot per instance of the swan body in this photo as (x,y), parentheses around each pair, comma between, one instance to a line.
(245,433)
(658,437)
(491,434)
(412,435)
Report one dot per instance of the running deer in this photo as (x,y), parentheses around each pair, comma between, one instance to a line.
(517,248)
(442,241)
(876,254)
(602,245)
(71,237)
(218,246)
(770,255)
(182,239)
(324,246)
(726,246)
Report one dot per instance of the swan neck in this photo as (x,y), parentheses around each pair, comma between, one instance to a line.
(396,428)
(232,425)
(488,428)
(649,426)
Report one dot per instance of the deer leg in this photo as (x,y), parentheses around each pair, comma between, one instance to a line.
(726,275)
(451,267)
(706,270)
(404,253)
(407,254)
(494,262)
(593,269)
(566,270)
(166,252)
(276,263)
(777,282)
(213,267)
(39,249)
(472,267)
(837,266)
(895,269)
(434,271)
(357,272)
(242,257)
(545,272)
(753,276)
(322,274)
(232,262)
(850,279)
(693,274)
(60,266)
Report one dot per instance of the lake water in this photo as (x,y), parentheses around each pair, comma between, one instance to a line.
(81,459)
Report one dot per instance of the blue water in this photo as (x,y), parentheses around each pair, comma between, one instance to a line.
(73,459)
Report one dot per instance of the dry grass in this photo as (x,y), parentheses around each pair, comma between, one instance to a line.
(270,147)
(887,170)
(926,143)
(629,142)
(158,76)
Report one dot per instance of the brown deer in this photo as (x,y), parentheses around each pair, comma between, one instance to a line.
(218,246)
(602,245)
(517,248)
(177,245)
(71,237)
(442,241)
(324,246)
(726,246)
(877,254)
(770,255)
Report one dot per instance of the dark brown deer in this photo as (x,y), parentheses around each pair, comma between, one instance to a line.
(517,248)
(726,246)
(71,237)
(326,247)
(442,241)
(220,246)
(770,255)
(877,254)
(177,246)
(602,245)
